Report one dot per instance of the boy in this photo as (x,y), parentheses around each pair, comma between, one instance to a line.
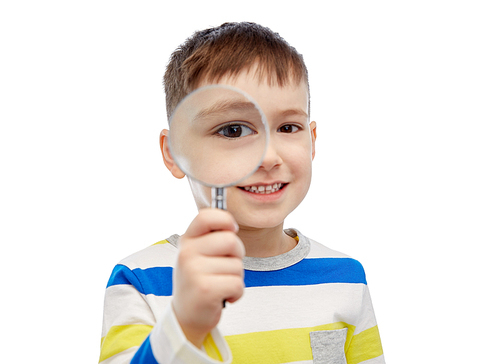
(289,299)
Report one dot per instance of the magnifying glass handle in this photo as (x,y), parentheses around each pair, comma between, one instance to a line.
(219,202)
(219,198)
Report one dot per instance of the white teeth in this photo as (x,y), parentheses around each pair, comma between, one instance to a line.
(264,189)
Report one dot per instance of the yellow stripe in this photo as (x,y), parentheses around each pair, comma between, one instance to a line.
(278,346)
(121,338)
(211,348)
(365,345)
(164,241)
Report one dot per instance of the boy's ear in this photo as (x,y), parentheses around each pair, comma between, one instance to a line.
(312,127)
(167,157)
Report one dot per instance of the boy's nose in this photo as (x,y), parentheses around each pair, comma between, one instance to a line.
(271,159)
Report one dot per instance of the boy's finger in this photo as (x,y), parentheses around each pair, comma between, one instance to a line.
(209,220)
(224,265)
(220,243)
(229,287)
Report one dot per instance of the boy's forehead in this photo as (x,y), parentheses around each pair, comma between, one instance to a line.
(288,99)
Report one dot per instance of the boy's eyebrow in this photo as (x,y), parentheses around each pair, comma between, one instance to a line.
(293,112)
(224,106)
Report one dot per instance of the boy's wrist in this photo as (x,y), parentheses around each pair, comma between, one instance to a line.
(194,336)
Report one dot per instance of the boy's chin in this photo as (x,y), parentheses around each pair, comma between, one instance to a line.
(256,222)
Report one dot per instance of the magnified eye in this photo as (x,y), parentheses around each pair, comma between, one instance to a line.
(235,131)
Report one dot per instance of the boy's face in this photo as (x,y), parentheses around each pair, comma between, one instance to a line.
(287,166)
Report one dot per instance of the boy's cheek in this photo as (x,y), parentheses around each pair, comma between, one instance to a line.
(299,154)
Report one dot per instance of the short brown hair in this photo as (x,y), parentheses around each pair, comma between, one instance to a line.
(227,50)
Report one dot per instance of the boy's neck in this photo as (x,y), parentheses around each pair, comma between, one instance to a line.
(263,243)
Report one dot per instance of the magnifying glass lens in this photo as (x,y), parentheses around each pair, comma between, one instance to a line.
(218,136)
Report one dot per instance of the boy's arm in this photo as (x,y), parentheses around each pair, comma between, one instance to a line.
(132,335)
(128,319)
(130,331)
(365,345)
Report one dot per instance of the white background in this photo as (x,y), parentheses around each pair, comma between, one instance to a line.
(406,179)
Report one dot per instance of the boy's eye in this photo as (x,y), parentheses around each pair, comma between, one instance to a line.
(235,131)
(288,129)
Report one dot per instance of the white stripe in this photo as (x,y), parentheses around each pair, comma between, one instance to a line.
(158,304)
(324,301)
(161,255)
(282,307)
(367,316)
(320,251)
(114,316)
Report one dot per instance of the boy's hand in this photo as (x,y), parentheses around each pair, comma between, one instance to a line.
(209,270)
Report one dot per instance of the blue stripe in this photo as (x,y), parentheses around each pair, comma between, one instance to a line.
(120,275)
(157,281)
(145,354)
(308,272)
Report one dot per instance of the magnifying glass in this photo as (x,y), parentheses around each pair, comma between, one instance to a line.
(218,137)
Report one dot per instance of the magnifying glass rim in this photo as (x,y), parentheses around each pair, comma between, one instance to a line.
(264,121)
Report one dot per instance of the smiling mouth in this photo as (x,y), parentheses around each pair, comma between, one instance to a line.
(264,189)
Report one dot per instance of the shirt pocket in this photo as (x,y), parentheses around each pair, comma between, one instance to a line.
(328,346)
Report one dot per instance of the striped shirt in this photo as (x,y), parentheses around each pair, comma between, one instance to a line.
(309,305)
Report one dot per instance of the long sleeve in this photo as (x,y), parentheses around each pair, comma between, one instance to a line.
(365,345)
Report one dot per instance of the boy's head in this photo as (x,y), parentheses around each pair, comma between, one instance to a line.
(259,62)
(227,50)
